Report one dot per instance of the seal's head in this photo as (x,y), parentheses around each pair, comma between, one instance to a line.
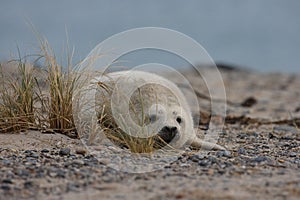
(164,113)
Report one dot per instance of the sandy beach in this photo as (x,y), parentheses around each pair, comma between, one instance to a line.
(262,161)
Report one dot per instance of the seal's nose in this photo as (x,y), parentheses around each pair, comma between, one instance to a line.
(169,129)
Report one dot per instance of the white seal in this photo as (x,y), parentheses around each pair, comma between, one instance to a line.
(145,105)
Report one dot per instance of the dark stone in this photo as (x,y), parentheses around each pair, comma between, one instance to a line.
(45,151)
(249,102)
(203,163)
(7,181)
(219,153)
(259,159)
(196,158)
(73,187)
(34,155)
(227,154)
(28,184)
(23,172)
(212,159)
(241,151)
(60,174)
(5,187)
(223,154)
(6,162)
(293,154)
(64,151)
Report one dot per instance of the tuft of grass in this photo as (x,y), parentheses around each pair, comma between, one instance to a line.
(24,104)
(17,98)
(62,83)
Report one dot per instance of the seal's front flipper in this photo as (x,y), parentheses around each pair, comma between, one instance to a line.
(200,144)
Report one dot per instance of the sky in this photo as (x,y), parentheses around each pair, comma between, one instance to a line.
(259,35)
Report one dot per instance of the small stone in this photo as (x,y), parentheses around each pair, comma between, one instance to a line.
(196,158)
(104,161)
(34,155)
(60,174)
(6,162)
(73,187)
(52,174)
(7,181)
(28,184)
(249,102)
(27,151)
(203,163)
(81,151)
(210,172)
(293,154)
(78,162)
(45,151)
(64,151)
(223,154)
(212,159)
(227,154)
(259,159)
(23,172)
(5,187)
(281,161)
(185,165)
(219,154)
(72,156)
(241,151)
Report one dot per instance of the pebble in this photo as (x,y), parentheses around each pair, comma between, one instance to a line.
(285,129)
(73,187)
(203,163)
(259,159)
(45,151)
(241,151)
(81,151)
(210,172)
(293,154)
(28,184)
(6,162)
(23,172)
(224,154)
(34,155)
(60,173)
(64,151)
(212,159)
(7,181)
(196,158)
(78,162)
(184,165)
(5,187)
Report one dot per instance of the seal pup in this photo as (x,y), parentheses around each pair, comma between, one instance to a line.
(145,105)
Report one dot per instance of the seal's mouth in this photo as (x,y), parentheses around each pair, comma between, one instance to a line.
(165,136)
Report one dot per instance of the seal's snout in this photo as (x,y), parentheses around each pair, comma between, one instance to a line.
(166,135)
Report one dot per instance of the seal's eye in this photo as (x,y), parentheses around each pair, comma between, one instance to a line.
(153,118)
(179,120)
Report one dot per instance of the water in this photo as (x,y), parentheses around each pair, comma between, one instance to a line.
(260,35)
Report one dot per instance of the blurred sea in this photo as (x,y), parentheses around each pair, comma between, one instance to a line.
(260,35)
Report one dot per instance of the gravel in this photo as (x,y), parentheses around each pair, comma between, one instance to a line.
(262,160)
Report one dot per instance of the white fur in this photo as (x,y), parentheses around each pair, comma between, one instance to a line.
(160,97)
